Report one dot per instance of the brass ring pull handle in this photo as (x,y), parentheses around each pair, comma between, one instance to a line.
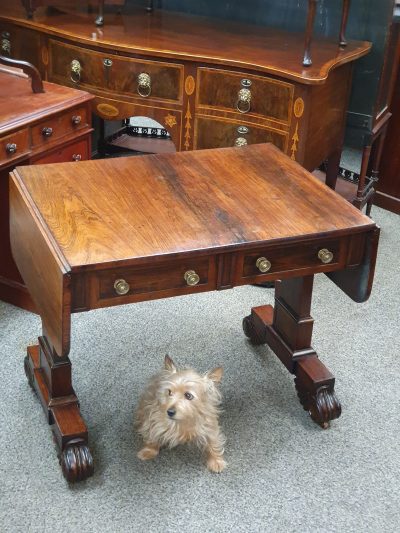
(76,120)
(76,69)
(263,264)
(241,141)
(243,103)
(121,287)
(144,84)
(47,132)
(191,278)
(11,148)
(325,255)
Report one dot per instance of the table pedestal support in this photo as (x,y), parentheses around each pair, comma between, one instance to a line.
(50,377)
(287,329)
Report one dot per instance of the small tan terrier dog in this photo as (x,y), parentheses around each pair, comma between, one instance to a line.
(181,406)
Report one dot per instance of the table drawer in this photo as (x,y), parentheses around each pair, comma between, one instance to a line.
(53,128)
(245,94)
(14,146)
(214,133)
(284,260)
(76,151)
(137,78)
(158,281)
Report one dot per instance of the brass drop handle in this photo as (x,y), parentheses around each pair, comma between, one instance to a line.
(191,278)
(325,255)
(47,132)
(76,120)
(11,148)
(263,264)
(121,287)
(76,157)
(76,69)
(243,103)
(241,141)
(144,84)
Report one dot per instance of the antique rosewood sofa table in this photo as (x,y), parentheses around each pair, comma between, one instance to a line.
(112,232)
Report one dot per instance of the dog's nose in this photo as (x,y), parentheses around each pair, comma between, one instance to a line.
(171,413)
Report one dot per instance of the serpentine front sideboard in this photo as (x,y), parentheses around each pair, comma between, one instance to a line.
(210,83)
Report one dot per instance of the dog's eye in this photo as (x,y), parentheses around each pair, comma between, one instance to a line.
(169,392)
(189,396)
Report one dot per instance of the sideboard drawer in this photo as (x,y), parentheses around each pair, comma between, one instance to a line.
(118,285)
(136,78)
(76,151)
(53,128)
(215,133)
(14,145)
(248,95)
(288,258)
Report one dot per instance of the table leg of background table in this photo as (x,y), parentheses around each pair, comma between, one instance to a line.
(287,329)
(50,377)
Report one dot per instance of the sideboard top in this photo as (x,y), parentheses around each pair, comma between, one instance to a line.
(184,37)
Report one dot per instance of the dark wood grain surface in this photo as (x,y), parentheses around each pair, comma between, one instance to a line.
(162,205)
(180,36)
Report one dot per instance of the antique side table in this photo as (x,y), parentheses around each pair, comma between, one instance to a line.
(112,232)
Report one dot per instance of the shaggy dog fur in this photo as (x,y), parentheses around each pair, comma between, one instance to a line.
(182,406)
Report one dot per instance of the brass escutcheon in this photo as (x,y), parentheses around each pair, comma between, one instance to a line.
(263,264)
(240,141)
(325,255)
(244,101)
(76,70)
(121,287)
(191,278)
(144,84)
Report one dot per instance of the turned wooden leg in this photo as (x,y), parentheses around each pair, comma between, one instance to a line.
(309,32)
(332,168)
(287,329)
(50,377)
(345,16)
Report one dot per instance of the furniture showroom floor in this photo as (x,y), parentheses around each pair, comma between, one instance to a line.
(285,474)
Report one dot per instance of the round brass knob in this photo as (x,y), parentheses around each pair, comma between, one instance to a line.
(121,287)
(144,84)
(11,148)
(244,101)
(263,264)
(76,157)
(325,255)
(240,141)
(47,132)
(191,278)
(76,70)
(76,120)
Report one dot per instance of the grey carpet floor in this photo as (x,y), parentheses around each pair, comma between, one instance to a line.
(285,474)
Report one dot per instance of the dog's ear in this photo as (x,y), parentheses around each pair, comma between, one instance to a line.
(169,364)
(215,374)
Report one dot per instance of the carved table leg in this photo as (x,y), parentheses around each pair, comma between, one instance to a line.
(50,377)
(287,329)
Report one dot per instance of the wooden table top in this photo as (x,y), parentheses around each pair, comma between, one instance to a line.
(194,38)
(125,210)
(19,106)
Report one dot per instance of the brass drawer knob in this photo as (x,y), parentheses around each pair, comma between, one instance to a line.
(244,101)
(76,69)
(263,264)
(144,84)
(11,148)
(121,287)
(76,120)
(76,157)
(325,255)
(6,46)
(47,132)
(191,278)
(240,141)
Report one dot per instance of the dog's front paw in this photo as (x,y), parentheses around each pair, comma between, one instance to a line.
(216,464)
(148,452)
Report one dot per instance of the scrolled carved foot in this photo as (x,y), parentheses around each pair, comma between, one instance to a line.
(28,372)
(251,332)
(322,405)
(76,461)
